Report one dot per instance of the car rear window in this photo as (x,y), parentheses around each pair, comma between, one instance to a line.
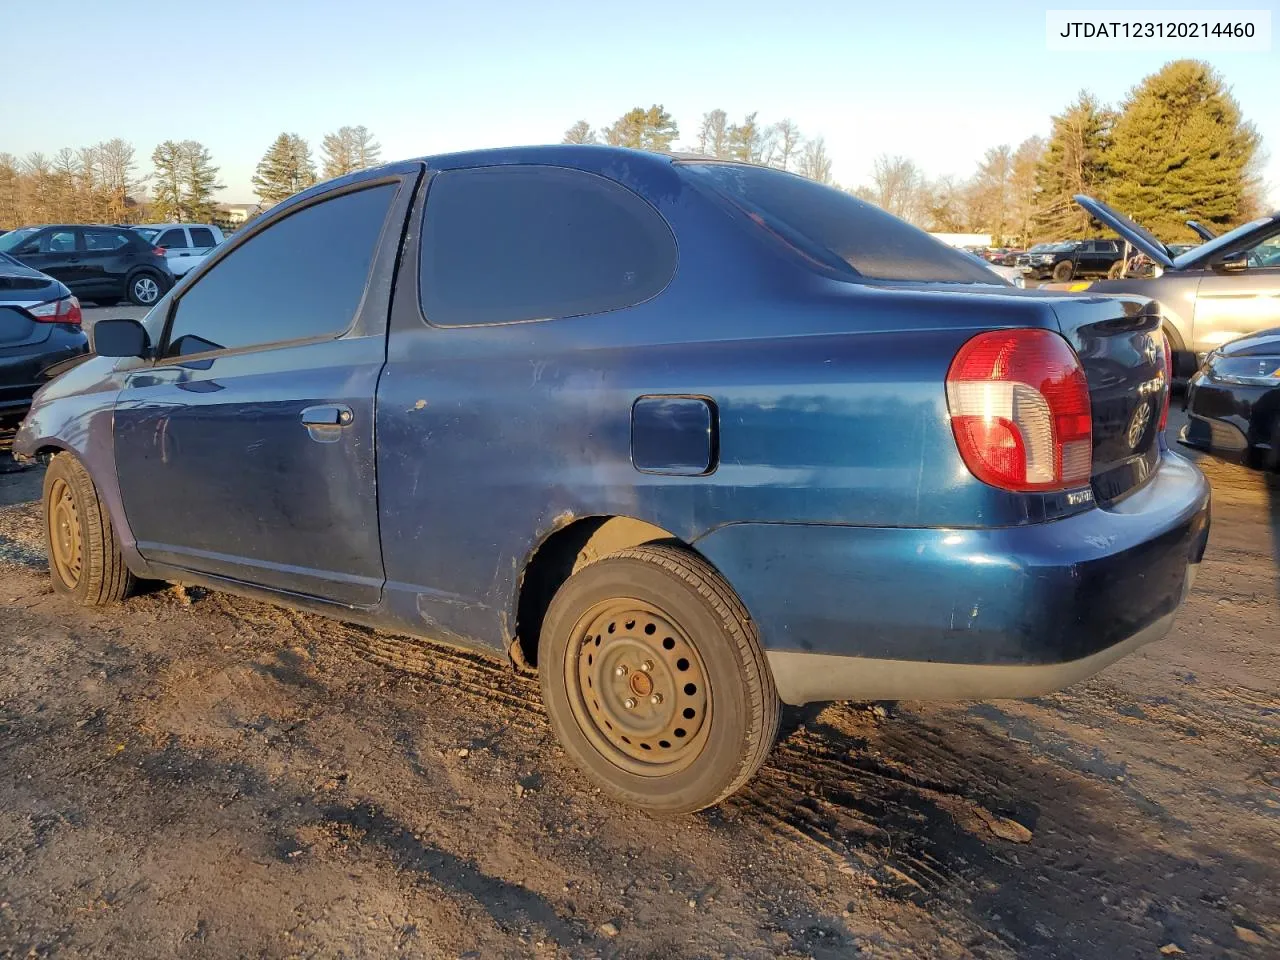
(836,229)
(510,243)
(202,237)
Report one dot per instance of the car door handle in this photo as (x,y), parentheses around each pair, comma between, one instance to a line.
(327,415)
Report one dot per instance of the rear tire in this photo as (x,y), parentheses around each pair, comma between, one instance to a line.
(1062,271)
(85,562)
(655,681)
(145,289)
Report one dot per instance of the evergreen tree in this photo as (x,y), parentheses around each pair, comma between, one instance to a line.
(346,150)
(285,169)
(1180,150)
(641,129)
(747,142)
(201,182)
(168,181)
(1074,162)
(580,132)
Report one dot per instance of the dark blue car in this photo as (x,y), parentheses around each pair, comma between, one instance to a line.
(692,438)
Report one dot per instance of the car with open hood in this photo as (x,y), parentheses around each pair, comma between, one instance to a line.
(1209,295)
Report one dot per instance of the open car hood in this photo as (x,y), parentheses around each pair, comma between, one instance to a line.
(1203,232)
(1139,236)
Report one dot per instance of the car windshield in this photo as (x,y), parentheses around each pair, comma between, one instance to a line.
(12,239)
(835,230)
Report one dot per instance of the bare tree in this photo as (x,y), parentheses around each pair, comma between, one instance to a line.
(814,162)
(1022,186)
(119,185)
(787,136)
(993,192)
(713,135)
(899,187)
(580,132)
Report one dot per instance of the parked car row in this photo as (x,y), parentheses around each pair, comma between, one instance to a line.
(105,264)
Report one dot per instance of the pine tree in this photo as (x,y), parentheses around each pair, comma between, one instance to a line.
(285,169)
(580,132)
(641,129)
(168,182)
(201,182)
(347,150)
(747,140)
(1180,150)
(1074,162)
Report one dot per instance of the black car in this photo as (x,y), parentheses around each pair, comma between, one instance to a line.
(1233,401)
(39,330)
(102,264)
(1072,259)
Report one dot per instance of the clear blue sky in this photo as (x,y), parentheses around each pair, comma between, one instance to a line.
(933,80)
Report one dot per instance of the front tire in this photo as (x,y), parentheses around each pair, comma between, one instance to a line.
(144,289)
(1062,271)
(655,681)
(85,562)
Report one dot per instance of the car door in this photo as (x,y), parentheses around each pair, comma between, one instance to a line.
(202,240)
(102,246)
(245,450)
(176,245)
(57,251)
(1235,301)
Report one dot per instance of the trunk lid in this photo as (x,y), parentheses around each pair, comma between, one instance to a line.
(1120,346)
(17,329)
(1139,236)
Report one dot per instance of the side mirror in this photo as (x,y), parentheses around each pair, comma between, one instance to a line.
(120,338)
(1234,263)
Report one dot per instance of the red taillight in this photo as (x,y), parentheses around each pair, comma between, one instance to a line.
(1020,412)
(1168,379)
(57,311)
(159,251)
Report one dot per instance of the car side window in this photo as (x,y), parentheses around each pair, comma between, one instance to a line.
(202,237)
(300,277)
(172,240)
(509,243)
(104,240)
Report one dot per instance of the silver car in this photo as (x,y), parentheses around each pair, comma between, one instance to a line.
(1225,288)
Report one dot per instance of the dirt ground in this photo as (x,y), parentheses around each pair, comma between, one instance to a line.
(197,775)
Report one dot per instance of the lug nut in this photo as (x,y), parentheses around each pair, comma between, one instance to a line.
(647,666)
(656,699)
(621,671)
(629,703)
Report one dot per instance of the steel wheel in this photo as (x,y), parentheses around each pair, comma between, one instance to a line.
(145,290)
(64,533)
(638,687)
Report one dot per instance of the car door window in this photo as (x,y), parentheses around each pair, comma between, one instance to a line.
(510,243)
(302,277)
(172,240)
(202,237)
(57,241)
(103,240)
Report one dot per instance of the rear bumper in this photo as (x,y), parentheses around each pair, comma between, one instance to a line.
(865,613)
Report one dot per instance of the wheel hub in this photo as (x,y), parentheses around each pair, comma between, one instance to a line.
(638,687)
(64,533)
